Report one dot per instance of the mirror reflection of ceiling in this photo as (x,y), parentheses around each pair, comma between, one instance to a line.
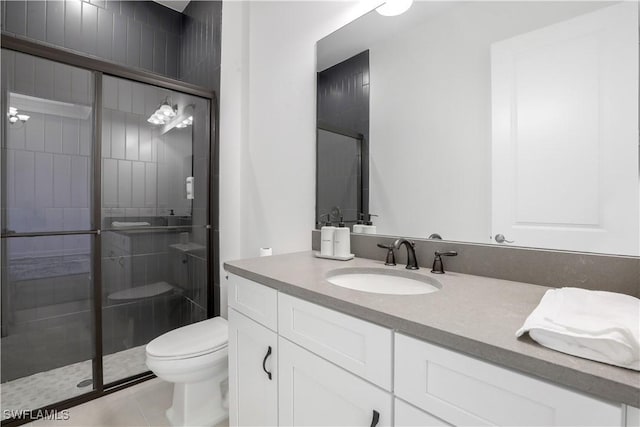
(511,123)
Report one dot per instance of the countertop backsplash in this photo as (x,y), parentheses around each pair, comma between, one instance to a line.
(537,266)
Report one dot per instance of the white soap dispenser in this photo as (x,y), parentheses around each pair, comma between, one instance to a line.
(368,227)
(327,238)
(359,225)
(342,240)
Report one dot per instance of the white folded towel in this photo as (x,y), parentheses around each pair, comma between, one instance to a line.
(120,224)
(595,325)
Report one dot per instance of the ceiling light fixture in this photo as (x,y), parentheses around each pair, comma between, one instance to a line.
(165,112)
(183,118)
(15,116)
(394,7)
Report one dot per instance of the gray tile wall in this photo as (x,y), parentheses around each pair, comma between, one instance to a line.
(200,65)
(137,34)
(144,177)
(541,267)
(144,170)
(343,94)
(48,158)
(200,44)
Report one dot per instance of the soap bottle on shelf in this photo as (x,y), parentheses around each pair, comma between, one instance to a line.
(327,238)
(368,227)
(342,240)
(358,227)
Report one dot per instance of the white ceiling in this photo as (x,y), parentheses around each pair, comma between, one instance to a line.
(364,32)
(177,5)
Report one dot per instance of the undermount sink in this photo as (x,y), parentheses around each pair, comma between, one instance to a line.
(383,281)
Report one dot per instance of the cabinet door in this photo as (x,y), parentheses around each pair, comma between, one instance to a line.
(633,417)
(409,416)
(256,301)
(469,392)
(314,392)
(253,393)
(353,344)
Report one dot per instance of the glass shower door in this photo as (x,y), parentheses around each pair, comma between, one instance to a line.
(48,333)
(155,166)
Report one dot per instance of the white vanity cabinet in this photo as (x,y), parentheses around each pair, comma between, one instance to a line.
(326,362)
(465,391)
(406,415)
(328,368)
(253,354)
(633,417)
(315,392)
(353,344)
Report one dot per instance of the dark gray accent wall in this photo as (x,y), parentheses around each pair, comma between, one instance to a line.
(541,267)
(200,65)
(136,34)
(343,95)
(200,45)
(343,106)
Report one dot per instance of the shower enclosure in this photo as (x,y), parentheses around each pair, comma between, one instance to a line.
(106,235)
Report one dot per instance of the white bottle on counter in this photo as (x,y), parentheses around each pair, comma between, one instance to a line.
(342,240)
(327,238)
(368,227)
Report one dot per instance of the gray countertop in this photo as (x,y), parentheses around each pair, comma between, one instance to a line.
(474,315)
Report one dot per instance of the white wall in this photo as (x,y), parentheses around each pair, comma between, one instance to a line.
(267,122)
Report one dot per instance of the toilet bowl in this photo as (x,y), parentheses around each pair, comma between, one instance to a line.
(194,358)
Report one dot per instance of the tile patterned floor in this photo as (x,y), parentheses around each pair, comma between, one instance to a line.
(142,405)
(44,388)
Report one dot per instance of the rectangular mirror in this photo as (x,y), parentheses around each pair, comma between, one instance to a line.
(512,123)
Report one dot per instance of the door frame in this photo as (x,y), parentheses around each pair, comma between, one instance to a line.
(99,68)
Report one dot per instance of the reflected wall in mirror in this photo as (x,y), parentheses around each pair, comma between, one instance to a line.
(343,140)
(513,123)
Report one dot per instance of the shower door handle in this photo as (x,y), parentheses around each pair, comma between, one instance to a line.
(264,363)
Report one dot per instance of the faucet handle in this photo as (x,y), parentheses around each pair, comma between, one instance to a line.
(446,253)
(438,266)
(391,257)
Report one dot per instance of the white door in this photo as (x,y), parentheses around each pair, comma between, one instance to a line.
(253,393)
(565,134)
(314,392)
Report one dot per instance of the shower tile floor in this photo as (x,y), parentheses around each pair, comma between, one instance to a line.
(45,388)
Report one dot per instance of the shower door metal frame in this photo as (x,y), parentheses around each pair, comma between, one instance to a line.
(99,68)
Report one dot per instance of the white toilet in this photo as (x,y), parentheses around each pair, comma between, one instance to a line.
(194,357)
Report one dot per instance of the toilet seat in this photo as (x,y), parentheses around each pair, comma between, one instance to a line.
(195,340)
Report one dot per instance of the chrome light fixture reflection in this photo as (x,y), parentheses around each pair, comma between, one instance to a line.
(164,113)
(186,122)
(182,120)
(15,116)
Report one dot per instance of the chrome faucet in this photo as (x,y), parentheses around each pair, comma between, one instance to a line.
(412,263)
